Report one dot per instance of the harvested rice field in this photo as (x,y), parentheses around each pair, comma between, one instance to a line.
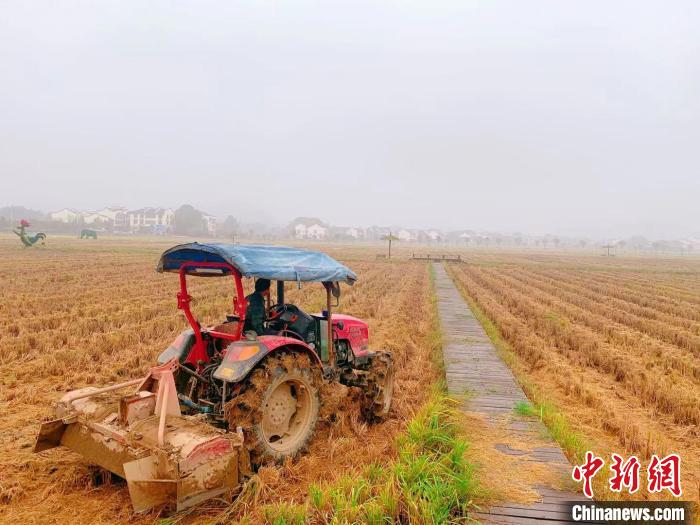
(607,350)
(75,314)
(610,343)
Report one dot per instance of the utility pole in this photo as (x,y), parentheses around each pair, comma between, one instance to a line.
(390,238)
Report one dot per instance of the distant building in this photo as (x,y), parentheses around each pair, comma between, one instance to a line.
(145,219)
(117,216)
(96,218)
(408,235)
(114,216)
(316,231)
(66,215)
(465,237)
(434,235)
(308,228)
(375,233)
(344,233)
(353,232)
(159,229)
(209,223)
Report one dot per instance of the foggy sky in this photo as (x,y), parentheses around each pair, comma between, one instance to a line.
(536,116)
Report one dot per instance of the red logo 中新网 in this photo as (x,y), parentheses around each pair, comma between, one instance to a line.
(625,474)
(665,474)
(662,473)
(586,472)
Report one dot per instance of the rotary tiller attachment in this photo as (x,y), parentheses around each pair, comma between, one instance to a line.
(165,457)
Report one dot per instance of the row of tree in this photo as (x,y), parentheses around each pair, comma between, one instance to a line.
(188,220)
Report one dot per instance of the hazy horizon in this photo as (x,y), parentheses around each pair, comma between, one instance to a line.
(541,117)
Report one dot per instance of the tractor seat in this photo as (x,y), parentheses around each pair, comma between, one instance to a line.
(229,327)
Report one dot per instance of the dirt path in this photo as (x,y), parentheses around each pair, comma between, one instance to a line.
(523,469)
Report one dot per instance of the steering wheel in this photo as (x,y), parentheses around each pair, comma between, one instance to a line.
(275,311)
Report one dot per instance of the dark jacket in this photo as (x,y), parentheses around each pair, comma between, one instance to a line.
(255,313)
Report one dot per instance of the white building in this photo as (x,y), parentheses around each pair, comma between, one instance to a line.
(316,231)
(355,233)
(434,235)
(106,216)
(149,219)
(66,215)
(96,218)
(300,231)
(308,228)
(115,213)
(465,238)
(408,235)
(209,224)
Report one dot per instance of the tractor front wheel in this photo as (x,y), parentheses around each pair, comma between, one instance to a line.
(278,407)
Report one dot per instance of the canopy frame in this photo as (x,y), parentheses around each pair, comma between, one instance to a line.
(278,263)
(184,299)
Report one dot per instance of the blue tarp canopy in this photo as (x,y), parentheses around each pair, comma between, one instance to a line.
(279,263)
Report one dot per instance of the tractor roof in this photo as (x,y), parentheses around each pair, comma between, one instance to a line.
(279,263)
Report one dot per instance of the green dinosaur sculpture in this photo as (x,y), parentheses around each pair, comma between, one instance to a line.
(88,234)
(28,240)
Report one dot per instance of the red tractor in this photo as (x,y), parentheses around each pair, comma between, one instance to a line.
(221,397)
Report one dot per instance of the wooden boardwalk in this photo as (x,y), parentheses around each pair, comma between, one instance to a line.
(472,365)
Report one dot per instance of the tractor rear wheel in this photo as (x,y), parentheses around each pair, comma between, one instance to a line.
(379,392)
(277,407)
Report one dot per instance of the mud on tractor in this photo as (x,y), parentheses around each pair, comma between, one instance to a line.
(222,401)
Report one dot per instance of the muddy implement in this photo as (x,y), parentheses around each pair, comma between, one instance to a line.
(165,457)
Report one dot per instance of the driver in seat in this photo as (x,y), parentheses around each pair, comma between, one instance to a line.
(255,312)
